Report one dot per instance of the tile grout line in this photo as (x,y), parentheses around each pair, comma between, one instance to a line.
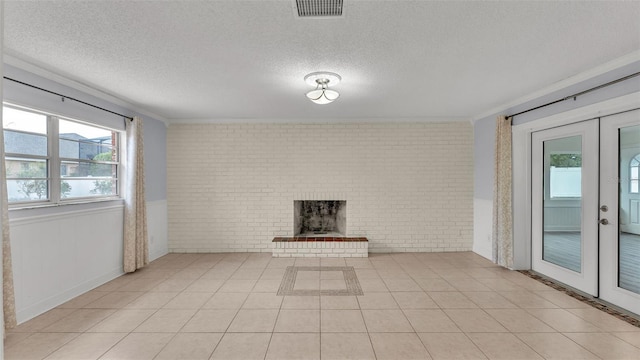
(320,324)
(192,316)
(127,333)
(410,324)
(239,309)
(273,330)
(566,337)
(276,321)
(575,295)
(182,327)
(450,319)
(219,341)
(410,270)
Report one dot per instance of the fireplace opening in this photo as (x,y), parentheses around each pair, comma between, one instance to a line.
(319,218)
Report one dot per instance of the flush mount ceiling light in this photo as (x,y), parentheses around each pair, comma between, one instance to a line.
(321,80)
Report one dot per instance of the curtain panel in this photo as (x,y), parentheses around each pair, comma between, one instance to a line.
(8,296)
(136,246)
(502,236)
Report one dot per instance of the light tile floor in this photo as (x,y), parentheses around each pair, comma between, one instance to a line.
(415,306)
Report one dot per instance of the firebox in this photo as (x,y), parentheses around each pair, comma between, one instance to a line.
(319,218)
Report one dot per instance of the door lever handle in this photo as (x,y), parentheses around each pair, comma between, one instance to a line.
(604,222)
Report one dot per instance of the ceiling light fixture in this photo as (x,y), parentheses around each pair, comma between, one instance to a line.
(321,80)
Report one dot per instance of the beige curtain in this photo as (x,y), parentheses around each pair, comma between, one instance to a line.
(136,249)
(8,297)
(502,238)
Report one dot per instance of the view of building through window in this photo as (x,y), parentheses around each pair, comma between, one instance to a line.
(82,161)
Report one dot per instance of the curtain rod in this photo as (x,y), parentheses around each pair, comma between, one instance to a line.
(68,97)
(574,96)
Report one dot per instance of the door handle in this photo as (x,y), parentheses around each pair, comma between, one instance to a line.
(604,208)
(604,221)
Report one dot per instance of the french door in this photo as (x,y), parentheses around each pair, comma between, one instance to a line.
(565,204)
(620,210)
(586,206)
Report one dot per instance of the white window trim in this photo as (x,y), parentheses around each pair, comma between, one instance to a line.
(54,161)
(631,165)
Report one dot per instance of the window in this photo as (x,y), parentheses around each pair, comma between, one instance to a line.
(633,174)
(53,160)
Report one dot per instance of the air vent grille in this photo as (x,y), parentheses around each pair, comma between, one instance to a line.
(317,8)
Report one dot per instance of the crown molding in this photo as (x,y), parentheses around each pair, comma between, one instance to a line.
(322,121)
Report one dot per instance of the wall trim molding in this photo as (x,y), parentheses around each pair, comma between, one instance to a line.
(323,121)
(50,303)
(64,215)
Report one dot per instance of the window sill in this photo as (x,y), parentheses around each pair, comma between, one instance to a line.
(28,210)
(63,203)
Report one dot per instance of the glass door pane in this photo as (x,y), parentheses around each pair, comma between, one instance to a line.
(619,216)
(562,202)
(629,209)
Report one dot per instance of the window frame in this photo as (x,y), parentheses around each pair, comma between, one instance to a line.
(636,159)
(54,161)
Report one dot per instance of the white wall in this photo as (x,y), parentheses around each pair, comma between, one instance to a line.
(483,170)
(482,227)
(58,257)
(408,186)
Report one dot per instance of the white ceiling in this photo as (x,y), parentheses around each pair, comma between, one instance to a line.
(247,59)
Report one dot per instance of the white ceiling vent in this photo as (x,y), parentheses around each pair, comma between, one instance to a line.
(318,8)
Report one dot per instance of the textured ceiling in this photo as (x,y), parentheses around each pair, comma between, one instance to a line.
(247,59)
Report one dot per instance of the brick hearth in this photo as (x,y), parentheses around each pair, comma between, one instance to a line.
(320,247)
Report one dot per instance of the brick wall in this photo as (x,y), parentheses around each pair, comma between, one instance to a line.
(408,186)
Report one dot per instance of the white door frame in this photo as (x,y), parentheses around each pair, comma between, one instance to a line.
(587,278)
(522,165)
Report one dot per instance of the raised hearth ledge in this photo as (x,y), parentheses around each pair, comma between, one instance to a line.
(320,247)
(314,238)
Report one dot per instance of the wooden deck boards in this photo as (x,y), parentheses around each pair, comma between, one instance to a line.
(563,248)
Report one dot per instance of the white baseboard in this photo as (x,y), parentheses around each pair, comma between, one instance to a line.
(50,303)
